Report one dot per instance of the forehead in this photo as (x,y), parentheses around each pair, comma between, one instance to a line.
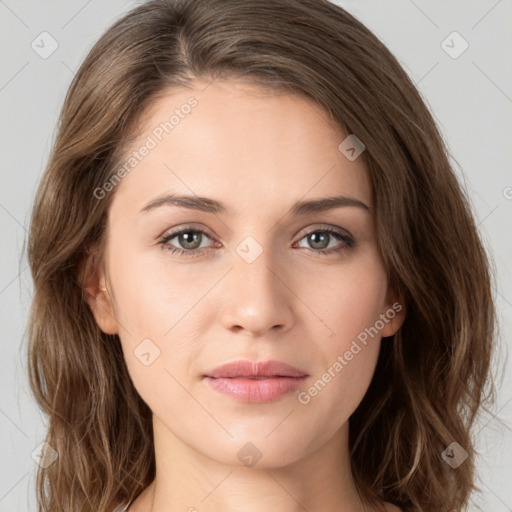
(240,143)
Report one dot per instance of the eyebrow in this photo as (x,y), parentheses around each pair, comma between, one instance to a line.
(206,204)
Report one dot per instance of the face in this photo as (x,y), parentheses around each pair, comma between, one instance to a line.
(251,277)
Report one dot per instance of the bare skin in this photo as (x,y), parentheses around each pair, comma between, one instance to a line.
(258,154)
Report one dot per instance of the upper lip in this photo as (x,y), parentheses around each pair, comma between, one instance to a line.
(255,369)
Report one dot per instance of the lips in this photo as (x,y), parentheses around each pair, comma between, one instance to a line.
(255,382)
(261,369)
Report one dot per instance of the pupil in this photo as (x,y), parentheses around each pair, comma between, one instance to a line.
(189,237)
(318,240)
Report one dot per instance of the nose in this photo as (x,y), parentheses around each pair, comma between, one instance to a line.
(257,296)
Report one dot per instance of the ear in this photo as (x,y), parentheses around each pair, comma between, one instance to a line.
(92,280)
(394,313)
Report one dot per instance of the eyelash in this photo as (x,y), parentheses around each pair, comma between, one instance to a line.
(349,242)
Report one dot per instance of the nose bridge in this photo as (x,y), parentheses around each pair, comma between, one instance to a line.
(257,298)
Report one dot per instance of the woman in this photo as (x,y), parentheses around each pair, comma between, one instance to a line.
(258,284)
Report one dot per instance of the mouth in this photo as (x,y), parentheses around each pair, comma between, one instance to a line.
(255,382)
(255,370)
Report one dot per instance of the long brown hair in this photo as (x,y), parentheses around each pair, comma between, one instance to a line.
(432,377)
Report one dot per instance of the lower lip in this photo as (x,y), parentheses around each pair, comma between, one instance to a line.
(255,390)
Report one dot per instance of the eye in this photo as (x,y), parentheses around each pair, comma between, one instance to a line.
(320,241)
(190,239)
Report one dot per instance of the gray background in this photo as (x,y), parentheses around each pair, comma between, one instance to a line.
(470,96)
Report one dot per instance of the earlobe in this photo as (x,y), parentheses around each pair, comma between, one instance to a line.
(393,315)
(93,282)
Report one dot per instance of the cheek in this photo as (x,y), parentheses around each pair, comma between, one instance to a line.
(338,389)
(161,316)
(149,299)
(349,306)
(347,299)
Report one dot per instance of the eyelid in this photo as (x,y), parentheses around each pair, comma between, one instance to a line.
(183,227)
(319,227)
(168,235)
